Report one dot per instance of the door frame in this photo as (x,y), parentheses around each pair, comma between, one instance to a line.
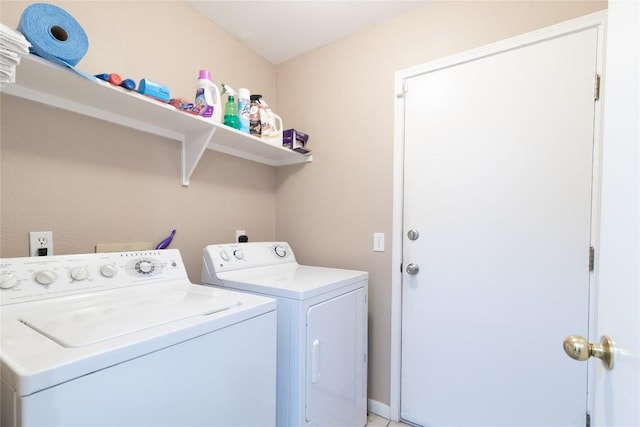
(597,20)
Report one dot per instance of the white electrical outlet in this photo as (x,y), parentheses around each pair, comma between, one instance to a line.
(40,243)
(378,242)
(239,233)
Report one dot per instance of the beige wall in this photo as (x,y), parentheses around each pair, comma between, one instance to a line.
(92,182)
(343,96)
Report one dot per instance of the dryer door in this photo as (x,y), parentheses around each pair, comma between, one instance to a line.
(336,360)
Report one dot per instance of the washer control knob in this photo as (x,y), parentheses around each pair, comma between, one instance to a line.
(108,270)
(79,273)
(238,254)
(224,255)
(45,277)
(145,267)
(280,251)
(8,280)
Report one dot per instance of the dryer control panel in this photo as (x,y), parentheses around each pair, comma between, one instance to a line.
(34,278)
(238,256)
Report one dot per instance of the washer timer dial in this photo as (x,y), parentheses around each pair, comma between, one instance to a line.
(145,266)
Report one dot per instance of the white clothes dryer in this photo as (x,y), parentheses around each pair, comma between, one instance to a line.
(124,339)
(322,329)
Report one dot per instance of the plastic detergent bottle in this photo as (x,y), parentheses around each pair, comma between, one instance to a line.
(243,109)
(230,109)
(208,97)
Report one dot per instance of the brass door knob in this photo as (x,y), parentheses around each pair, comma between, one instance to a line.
(579,348)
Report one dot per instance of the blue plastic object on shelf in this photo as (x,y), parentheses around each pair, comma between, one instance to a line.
(128,84)
(154,90)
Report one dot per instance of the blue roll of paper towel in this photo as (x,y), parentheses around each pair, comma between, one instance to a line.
(54,34)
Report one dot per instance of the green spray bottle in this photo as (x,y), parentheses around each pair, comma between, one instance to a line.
(230,109)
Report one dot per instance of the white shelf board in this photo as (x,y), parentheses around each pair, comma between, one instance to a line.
(47,83)
(236,143)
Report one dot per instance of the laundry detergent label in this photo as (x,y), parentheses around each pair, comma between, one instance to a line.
(206,110)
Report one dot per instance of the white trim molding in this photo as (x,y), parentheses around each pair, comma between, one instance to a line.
(379,408)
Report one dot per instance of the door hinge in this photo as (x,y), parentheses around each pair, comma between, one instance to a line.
(596,88)
(592,256)
(400,267)
(404,90)
(587,422)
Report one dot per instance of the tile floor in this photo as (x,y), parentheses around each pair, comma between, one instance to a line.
(374,420)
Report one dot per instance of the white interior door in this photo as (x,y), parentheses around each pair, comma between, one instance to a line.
(617,392)
(498,184)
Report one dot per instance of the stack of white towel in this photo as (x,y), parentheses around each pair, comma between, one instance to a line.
(12,46)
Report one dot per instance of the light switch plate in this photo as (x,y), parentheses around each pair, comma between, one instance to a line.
(378,242)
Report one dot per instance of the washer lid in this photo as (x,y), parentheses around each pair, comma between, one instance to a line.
(291,280)
(79,322)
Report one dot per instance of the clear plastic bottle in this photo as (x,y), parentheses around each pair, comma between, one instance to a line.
(243,109)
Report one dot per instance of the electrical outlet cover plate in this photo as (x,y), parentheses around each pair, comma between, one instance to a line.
(40,240)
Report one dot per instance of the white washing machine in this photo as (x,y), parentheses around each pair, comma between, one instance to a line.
(322,329)
(124,339)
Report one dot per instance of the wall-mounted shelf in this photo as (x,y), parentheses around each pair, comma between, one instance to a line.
(42,81)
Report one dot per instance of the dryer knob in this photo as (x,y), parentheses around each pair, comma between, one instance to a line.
(8,280)
(224,255)
(280,251)
(45,277)
(238,254)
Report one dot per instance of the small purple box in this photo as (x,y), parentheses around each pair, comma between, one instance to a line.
(295,140)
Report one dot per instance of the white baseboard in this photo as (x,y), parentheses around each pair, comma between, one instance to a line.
(379,409)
